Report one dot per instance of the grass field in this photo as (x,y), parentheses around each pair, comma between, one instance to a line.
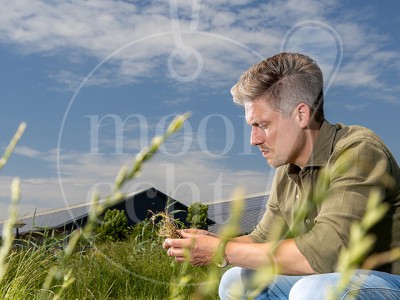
(137,268)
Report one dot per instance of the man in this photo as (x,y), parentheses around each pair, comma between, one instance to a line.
(283,99)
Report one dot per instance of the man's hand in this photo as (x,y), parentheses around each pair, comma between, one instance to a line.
(196,246)
(198,231)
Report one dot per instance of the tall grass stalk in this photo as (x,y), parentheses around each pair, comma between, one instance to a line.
(11,146)
(96,208)
(360,243)
(7,235)
(208,288)
(380,259)
(267,271)
(27,270)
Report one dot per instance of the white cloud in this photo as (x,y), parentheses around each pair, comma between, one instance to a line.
(177,101)
(27,151)
(36,193)
(355,107)
(97,29)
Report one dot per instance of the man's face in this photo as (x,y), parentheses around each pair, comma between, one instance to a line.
(280,139)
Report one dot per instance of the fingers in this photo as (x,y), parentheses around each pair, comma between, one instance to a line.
(178,243)
(167,244)
(191,248)
(176,252)
(178,248)
(180,254)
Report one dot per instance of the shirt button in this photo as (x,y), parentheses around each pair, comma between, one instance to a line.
(308,221)
(297,196)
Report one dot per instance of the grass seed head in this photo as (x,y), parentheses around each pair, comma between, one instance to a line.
(168,228)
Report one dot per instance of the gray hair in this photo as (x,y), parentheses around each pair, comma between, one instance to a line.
(287,79)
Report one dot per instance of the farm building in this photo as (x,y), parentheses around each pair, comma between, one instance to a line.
(137,207)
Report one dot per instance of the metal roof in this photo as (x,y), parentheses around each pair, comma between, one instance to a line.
(218,212)
(52,219)
(253,210)
(61,217)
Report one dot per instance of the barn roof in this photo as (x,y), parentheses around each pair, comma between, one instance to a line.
(219,213)
(64,217)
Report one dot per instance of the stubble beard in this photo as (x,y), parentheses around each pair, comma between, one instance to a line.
(276,161)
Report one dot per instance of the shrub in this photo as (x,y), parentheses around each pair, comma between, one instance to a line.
(197,215)
(114,227)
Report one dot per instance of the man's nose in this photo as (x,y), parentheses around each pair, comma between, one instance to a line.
(257,136)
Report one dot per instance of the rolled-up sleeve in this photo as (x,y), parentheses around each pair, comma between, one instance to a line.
(270,227)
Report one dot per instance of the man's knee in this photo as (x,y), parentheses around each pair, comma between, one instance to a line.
(364,284)
(231,285)
(314,287)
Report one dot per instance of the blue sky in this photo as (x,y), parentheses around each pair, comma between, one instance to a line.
(96,80)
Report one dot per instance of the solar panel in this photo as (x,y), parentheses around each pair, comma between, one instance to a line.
(253,210)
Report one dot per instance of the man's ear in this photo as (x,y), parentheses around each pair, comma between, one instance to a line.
(303,115)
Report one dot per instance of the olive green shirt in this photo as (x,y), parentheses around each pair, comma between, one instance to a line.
(356,161)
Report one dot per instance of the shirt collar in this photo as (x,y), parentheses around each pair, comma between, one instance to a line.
(322,148)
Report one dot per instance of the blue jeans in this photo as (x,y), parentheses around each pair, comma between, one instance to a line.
(365,285)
